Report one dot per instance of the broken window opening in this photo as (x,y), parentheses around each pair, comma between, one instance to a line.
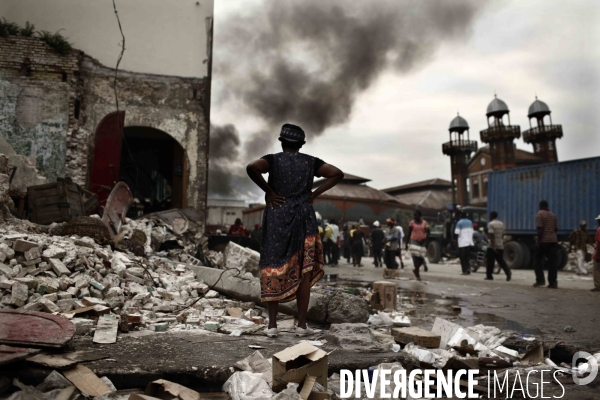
(64,76)
(76,109)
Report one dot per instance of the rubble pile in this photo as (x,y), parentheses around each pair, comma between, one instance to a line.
(84,280)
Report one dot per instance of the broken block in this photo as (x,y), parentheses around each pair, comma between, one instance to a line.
(33,253)
(19,294)
(58,267)
(32,262)
(5,270)
(93,301)
(65,305)
(54,252)
(418,336)
(30,282)
(6,250)
(22,246)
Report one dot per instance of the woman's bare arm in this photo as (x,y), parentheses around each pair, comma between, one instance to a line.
(333,176)
(255,171)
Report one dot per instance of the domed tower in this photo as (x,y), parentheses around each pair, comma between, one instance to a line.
(459,148)
(543,136)
(500,135)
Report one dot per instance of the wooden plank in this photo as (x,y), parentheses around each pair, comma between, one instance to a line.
(86,381)
(106,330)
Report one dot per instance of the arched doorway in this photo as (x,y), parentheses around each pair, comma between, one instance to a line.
(150,161)
(154,166)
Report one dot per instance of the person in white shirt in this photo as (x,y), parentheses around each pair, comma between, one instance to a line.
(400,239)
(335,238)
(464,231)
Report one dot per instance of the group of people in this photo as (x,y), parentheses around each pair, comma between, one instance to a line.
(546,252)
(294,249)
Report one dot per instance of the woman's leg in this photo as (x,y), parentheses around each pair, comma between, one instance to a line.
(273,307)
(302,298)
(417,261)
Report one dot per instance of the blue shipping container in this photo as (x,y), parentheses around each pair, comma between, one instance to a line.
(572,189)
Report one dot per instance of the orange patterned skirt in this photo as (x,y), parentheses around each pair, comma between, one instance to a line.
(281,283)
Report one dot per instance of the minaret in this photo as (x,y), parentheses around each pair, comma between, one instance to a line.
(543,136)
(459,149)
(500,135)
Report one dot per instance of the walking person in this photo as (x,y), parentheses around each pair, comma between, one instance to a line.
(464,232)
(495,251)
(377,238)
(347,243)
(596,258)
(328,244)
(358,245)
(418,232)
(291,257)
(335,243)
(580,239)
(399,251)
(546,246)
(391,244)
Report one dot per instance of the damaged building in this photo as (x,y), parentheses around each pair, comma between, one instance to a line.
(58,113)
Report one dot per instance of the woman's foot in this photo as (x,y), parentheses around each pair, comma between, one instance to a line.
(271,332)
(300,332)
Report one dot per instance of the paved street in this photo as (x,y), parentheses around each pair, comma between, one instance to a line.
(548,310)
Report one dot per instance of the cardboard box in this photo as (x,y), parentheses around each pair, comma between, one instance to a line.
(295,363)
(164,389)
(391,273)
(417,336)
(384,295)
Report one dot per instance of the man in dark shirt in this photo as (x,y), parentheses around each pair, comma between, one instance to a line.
(377,237)
(546,246)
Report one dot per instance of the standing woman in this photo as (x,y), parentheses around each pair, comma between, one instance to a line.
(358,248)
(291,257)
(418,232)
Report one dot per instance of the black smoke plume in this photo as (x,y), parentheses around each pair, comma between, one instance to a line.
(307,61)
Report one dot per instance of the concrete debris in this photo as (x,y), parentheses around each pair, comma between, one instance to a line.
(354,337)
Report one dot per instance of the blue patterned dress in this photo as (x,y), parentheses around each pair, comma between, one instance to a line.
(291,245)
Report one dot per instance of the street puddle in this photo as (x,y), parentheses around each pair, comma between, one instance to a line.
(423,308)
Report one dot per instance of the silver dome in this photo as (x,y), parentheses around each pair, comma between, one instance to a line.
(496,106)
(458,123)
(538,107)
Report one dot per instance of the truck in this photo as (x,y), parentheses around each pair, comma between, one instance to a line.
(572,189)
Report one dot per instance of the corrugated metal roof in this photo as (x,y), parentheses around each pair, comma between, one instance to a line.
(431,199)
(428,184)
(353,191)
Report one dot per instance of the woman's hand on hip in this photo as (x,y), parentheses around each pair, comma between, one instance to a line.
(272,199)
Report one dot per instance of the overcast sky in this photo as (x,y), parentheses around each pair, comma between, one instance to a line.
(397,125)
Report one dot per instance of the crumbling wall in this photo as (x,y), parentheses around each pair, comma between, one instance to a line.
(173,105)
(37,96)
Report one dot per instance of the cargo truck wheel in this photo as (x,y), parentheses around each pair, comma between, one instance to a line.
(527,255)
(434,252)
(562,257)
(514,255)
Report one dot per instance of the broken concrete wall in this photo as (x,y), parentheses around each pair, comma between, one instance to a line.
(37,95)
(173,105)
